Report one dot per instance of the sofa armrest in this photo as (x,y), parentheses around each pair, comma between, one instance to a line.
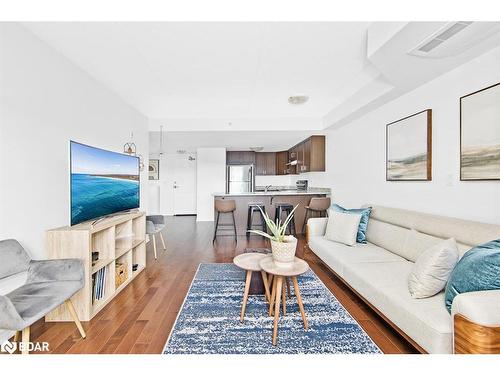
(9,317)
(316,226)
(481,307)
(55,270)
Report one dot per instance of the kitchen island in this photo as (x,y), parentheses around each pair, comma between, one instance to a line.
(269,199)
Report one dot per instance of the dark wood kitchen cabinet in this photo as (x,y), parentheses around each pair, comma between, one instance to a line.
(281,163)
(265,163)
(309,154)
(240,157)
(315,154)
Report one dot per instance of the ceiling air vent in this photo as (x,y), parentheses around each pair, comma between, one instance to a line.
(436,42)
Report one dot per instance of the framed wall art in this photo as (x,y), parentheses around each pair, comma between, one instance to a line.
(154,169)
(480,135)
(409,148)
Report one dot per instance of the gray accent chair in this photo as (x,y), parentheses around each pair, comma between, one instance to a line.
(154,225)
(49,284)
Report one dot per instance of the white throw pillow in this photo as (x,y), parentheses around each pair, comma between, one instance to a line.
(342,227)
(432,269)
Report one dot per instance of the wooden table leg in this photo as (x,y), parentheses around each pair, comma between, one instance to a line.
(283,298)
(245,295)
(25,340)
(279,285)
(266,285)
(273,297)
(299,301)
(288,286)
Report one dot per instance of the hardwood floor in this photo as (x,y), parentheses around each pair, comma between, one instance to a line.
(140,318)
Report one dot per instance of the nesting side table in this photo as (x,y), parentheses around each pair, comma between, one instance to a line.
(280,273)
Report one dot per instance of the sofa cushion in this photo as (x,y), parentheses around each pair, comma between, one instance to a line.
(342,227)
(33,301)
(388,236)
(384,285)
(337,256)
(432,269)
(416,244)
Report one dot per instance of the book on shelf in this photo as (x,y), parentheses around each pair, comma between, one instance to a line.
(99,284)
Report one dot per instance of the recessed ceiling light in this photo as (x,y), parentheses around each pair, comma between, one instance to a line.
(298,99)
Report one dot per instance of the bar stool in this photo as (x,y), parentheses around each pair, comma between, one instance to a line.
(259,208)
(285,208)
(225,206)
(317,207)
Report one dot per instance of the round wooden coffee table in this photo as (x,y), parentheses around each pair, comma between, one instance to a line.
(251,263)
(280,273)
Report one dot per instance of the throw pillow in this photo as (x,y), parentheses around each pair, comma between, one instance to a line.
(342,227)
(479,269)
(363,223)
(432,269)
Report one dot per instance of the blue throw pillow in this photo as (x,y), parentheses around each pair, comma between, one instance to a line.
(363,223)
(479,269)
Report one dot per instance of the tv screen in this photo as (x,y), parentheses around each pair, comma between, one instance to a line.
(102,182)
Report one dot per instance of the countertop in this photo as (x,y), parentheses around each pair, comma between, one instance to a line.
(310,191)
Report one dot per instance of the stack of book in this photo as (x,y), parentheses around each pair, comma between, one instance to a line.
(99,284)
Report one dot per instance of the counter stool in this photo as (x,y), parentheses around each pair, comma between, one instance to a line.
(259,208)
(225,206)
(285,208)
(317,207)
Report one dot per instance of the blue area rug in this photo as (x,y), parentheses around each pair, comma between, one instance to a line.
(208,322)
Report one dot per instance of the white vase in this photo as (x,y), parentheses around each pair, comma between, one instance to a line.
(284,252)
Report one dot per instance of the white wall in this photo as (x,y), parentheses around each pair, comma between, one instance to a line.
(210,179)
(356,152)
(45,100)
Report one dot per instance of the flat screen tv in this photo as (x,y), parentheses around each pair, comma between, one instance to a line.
(102,182)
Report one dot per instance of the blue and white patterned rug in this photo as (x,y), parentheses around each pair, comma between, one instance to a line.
(208,322)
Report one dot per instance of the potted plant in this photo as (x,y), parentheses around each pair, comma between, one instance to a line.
(283,247)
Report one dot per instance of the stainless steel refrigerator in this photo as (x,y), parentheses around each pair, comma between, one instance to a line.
(240,178)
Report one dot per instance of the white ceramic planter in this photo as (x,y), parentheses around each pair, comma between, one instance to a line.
(284,252)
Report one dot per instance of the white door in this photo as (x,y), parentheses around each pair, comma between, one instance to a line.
(184,186)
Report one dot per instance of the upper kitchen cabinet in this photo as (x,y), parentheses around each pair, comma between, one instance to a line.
(309,155)
(240,157)
(314,154)
(265,163)
(281,163)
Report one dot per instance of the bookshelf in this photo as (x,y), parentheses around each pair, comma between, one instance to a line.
(118,239)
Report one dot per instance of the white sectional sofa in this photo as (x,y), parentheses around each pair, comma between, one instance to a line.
(378,271)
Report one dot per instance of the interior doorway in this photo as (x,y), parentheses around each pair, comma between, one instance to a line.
(184,184)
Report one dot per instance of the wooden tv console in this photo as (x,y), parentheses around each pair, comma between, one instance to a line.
(118,239)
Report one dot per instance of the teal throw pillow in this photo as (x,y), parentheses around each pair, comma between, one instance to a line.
(479,269)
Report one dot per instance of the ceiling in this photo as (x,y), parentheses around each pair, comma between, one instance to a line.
(243,140)
(217,70)
(213,76)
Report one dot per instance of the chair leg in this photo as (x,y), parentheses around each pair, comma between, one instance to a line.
(154,246)
(26,341)
(249,220)
(305,221)
(216,226)
(234,227)
(162,241)
(72,311)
